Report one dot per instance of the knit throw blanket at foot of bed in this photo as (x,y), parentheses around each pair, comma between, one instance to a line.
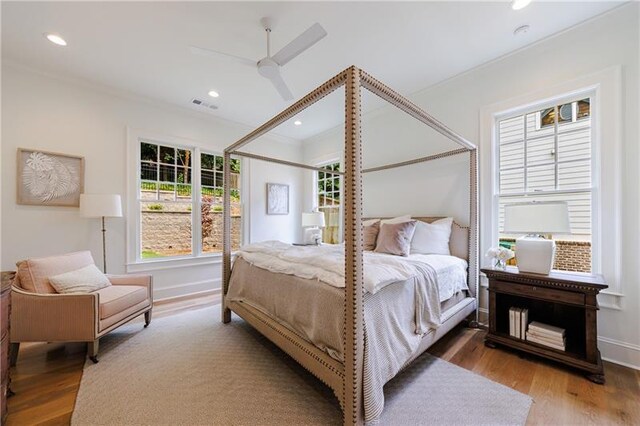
(191,369)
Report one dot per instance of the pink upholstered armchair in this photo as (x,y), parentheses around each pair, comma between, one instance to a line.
(39,314)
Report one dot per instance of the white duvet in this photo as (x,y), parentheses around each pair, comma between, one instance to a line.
(436,277)
(451,272)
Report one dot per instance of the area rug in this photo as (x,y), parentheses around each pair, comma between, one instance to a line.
(190,369)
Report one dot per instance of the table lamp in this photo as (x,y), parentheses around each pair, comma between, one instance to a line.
(101,205)
(312,222)
(534,253)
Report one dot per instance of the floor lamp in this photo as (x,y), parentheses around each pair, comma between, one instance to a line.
(101,205)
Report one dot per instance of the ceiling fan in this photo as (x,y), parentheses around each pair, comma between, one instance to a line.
(269,66)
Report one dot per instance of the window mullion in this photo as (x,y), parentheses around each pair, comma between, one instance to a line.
(196,204)
(555,146)
(175,178)
(525,148)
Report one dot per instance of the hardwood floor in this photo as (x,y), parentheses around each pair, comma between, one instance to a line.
(47,377)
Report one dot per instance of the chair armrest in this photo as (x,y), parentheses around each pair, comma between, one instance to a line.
(53,317)
(137,279)
(144,280)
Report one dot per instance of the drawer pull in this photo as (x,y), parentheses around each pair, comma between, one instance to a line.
(534,289)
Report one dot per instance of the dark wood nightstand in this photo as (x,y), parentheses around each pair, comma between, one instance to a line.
(560,299)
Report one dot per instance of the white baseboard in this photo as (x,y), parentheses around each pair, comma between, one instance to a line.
(172,299)
(186,289)
(626,354)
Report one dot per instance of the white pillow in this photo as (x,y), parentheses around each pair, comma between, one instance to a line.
(432,238)
(83,280)
(399,219)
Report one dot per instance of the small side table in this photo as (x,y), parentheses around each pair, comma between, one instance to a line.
(561,299)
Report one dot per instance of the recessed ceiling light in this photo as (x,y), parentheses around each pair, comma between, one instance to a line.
(55,39)
(298,123)
(519,4)
(523,29)
(213,94)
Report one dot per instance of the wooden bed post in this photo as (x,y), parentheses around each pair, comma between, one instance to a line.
(226,232)
(474,272)
(353,301)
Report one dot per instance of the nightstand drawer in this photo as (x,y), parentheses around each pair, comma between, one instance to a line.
(537,292)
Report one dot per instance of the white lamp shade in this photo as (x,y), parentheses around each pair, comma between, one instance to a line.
(313,219)
(100,205)
(537,218)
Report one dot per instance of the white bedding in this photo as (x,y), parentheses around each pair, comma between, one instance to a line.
(326,263)
(451,272)
(437,277)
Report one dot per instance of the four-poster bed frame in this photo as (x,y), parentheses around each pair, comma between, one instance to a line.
(345,379)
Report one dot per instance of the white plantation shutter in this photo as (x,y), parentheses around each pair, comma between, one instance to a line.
(547,162)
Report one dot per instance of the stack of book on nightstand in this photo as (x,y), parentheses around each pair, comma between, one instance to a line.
(518,320)
(547,335)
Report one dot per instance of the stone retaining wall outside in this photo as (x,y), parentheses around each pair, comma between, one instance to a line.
(168,233)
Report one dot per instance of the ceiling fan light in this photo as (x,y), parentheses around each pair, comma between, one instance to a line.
(519,4)
(213,93)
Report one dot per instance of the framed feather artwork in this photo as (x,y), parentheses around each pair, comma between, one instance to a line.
(49,179)
(277,198)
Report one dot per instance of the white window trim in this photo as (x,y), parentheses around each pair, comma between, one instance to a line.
(605,87)
(134,262)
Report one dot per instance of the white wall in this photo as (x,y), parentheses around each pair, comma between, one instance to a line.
(440,187)
(388,136)
(53,114)
(275,227)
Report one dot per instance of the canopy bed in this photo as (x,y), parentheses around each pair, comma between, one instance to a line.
(352,335)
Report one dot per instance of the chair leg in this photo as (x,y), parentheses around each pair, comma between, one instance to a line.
(13,353)
(92,350)
(147,318)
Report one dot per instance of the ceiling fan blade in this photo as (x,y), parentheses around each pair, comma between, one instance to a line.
(281,86)
(215,54)
(311,36)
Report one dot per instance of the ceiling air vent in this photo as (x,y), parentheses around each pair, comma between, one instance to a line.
(203,104)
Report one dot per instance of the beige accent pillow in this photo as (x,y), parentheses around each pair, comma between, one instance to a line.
(370,234)
(395,238)
(83,280)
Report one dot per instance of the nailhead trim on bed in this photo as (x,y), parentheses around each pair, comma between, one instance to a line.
(296,342)
(354,301)
(320,92)
(353,79)
(416,160)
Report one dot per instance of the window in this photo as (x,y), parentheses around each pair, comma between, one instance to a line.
(211,184)
(546,155)
(329,202)
(171,204)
